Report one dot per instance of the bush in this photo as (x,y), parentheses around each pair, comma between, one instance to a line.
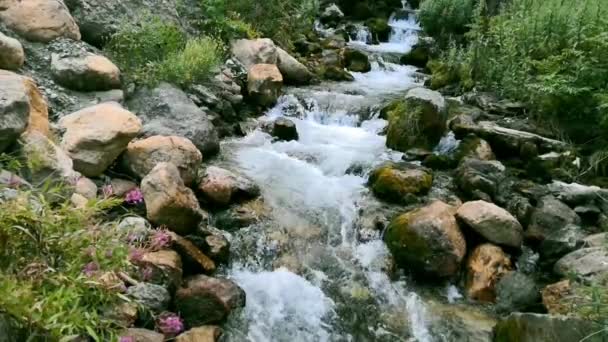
(192,65)
(445,19)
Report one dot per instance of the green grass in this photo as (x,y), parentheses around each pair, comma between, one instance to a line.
(446,19)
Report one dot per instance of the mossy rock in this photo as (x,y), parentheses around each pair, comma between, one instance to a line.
(379,28)
(439,162)
(335,73)
(356,60)
(400,183)
(472,146)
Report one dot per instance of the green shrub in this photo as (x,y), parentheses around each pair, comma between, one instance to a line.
(45,250)
(191,65)
(445,19)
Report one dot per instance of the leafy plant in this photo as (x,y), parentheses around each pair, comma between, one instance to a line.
(445,19)
(191,65)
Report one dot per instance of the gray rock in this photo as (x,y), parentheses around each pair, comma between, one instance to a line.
(576,194)
(587,263)
(480,179)
(14,109)
(166,110)
(285,129)
(549,216)
(151,296)
(222,187)
(47,161)
(255,51)
(492,222)
(516,291)
(143,335)
(331,15)
(138,228)
(85,73)
(595,240)
(529,327)
(292,70)
(12,56)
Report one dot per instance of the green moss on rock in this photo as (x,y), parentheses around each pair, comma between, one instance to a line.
(400,183)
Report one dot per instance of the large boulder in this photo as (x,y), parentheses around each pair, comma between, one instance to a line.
(485,266)
(516,291)
(420,53)
(95,136)
(255,51)
(285,129)
(168,201)
(14,109)
(474,147)
(204,300)
(12,56)
(531,327)
(264,83)
(38,109)
(46,160)
(427,240)
(400,182)
(222,187)
(39,20)
(417,121)
(292,70)
(355,60)
(332,15)
(143,155)
(480,179)
(586,263)
(85,73)
(167,110)
(152,297)
(492,222)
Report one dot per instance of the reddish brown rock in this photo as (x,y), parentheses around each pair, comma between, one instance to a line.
(486,265)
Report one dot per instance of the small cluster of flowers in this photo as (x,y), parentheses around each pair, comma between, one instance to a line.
(161,239)
(169,323)
(134,197)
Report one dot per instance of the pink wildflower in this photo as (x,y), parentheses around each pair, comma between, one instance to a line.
(134,197)
(170,324)
(107,191)
(126,339)
(161,240)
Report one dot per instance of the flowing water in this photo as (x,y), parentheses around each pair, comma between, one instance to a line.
(306,274)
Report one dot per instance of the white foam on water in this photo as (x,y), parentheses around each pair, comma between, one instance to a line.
(452,293)
(404,34)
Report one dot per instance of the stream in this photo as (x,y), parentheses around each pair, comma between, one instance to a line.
(307,275)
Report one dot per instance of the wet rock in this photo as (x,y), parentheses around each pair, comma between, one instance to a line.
(586,263)
(39,20)
(291,69)
(12,56)
(85,73)
(255,51)
(213,243)
(204,300)
(355,60)
(521,208)
(427,240)
(49,162)
(400,182)
(151,296)
(460,323)
(194,260)
(222,187)
(485,267)
(439,162)
(420,53)
(143,155)
(492,222)
(379,29)
(207,333)
(516,291)
(285,129)
(169,202)
(417,121)
(86,188)
(530,327)
(479,179)
(555,295)
(331,15)
(167,110)
(264,83)
(560,242)
(335,73)
(162,268)
(143,335)
(240,216)
(473,147)
(95,136)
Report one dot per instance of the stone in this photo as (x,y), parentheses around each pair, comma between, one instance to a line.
(194,260)
(138,228)
(14,109)
(222,187)
(207,333)
(555,295)
(419,120)
(264,83)
(492,222)
(166,110)
(85,73)
(427,240)
(165,268)
(95,136)
(86,188)
(12,56)
(169,202)
(78,201)
(143,335)
(335,73)
(151,296)
(143,155)
(486,265)
(240,215)
(284,129)
(587,263)
(291,69)
(576,194)
(531,327)
(332,15)
(473,147)
(46,160)
(39,20)
(516,291)
(120,187)
(206,300)
(379,29)
(596,240)
(419,54)
(400,182)
(255,51)
(356,61)
(479,179)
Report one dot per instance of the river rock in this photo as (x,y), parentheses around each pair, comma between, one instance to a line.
(46,160)
(576,194)
(427,240)
(39,114)
(417,121)
(400,182)
(95,136)
(168,201)
(85,73)
(143,335)
(549,216)
(143,155)
(335,73)
(86,188)
(355,60)
(164,266)
(193,259)
(151,296)
(492,222)
(479,179)
(474,147)
(120,187)
(555,297)
(587,263)
(531,327)
(420,53)
(222,187)
(379,28)
(596,240)
(292,70)
(166,110)
(12,56)
(264,83)
(486,265)
(332,15)
(204,300)
(241,215)
(284,129)
(255,51)
(516,291)
(137,229)
(14,109)
(39,20)
(207,333)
